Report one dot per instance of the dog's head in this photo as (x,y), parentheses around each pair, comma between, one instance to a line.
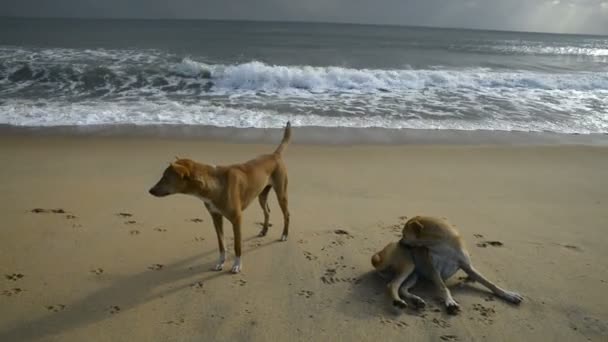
(419,231)
(175,180)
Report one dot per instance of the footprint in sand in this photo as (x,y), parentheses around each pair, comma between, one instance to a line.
(485,244)
(97,271)
(56,307)
(398,324)
(198,286)
(53,211)
(12,292)
(486,313)
(160,230)
(479,236)
(114,309)
(573,248)
(440,323)
(156,267)
(46,211)
(134,232)
(489,298)
(449,338)
(125,215)
(342,232)
(306,293)
(196,220)
(309,256)
(199,239)
(177,322)
(131,222)
(330,278)
(330,272)
(241,282)
(588,326)
(335,280)
(14,276)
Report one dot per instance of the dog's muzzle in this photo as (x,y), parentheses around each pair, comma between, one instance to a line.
(155,192)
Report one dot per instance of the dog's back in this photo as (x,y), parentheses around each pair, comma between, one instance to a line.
(437,244)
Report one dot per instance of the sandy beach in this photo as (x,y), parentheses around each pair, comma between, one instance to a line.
(112,263)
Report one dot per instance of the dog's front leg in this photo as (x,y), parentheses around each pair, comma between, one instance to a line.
(404,291)
(218,223)
(236,227)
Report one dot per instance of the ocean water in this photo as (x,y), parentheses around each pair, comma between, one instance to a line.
(252,74)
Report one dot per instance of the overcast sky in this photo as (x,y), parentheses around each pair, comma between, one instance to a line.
(569,16)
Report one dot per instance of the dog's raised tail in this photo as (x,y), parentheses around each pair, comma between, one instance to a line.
(286,139)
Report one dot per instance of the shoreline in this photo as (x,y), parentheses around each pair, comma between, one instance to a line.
(313,135)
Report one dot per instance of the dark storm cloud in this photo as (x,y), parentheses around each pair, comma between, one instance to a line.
(584,16)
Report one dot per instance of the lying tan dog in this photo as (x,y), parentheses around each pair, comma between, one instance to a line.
(228,190)
(431,248)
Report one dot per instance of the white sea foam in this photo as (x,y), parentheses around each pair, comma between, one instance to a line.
(260,76)
(86,87)
(51,113)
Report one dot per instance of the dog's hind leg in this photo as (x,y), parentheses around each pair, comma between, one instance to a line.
(404,291)
(280,188)
(509,296)
(402,274)
(263,199)
(450,304)
(425,262)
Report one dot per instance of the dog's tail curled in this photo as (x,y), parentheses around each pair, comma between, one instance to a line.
(286,139)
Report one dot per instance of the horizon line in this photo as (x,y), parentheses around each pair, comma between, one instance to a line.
(307,22)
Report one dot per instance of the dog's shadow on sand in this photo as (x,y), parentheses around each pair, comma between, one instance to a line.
(368,298)
(127,292)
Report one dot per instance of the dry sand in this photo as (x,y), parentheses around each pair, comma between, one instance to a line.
(91,274)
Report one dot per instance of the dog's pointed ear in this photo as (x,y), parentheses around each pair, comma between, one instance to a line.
(417,227)
(176,158)
(181,170)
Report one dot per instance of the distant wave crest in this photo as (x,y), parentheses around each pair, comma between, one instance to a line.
(189,76)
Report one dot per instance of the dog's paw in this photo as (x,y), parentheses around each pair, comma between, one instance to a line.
(236,267)
(452,307)
(401,304)
(263,233)
(418,302)
(283,237)
(218,267)
(513,297)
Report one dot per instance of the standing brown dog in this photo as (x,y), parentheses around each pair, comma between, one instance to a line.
(228,190)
